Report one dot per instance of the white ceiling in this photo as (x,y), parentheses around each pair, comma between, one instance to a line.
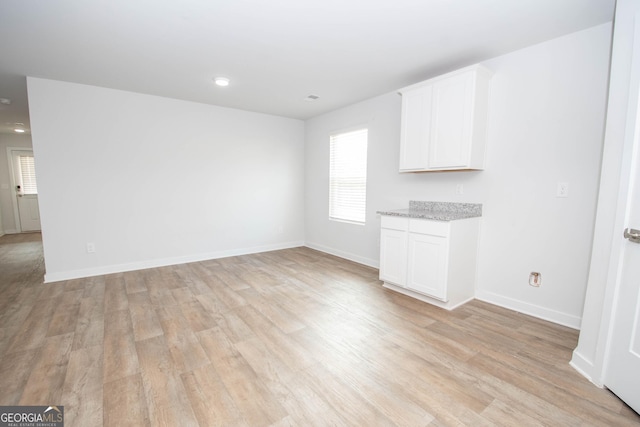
(276,52)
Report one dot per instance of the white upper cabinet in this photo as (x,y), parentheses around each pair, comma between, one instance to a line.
(444,122)
(416,126)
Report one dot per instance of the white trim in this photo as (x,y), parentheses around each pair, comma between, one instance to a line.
(424,298)
(141,265)
(543,313)
(622,138)
(12,183)
(346,255)
(628,173)
(584,367)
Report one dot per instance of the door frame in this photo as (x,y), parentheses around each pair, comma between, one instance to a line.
(12,182)
(591,356)
(629,168)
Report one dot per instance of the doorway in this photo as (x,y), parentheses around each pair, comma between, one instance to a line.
(23,180)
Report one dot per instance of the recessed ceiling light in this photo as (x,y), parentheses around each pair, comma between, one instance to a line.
(18,130)
(5,101)
(221,81)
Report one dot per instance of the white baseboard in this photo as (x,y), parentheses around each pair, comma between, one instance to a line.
(530,309)
(141,265)
(446,305)
(346,255)
(584,367)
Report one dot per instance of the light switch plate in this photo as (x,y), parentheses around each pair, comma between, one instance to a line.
(563,189)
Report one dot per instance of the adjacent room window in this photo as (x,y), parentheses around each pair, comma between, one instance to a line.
(28,174)
(348,176)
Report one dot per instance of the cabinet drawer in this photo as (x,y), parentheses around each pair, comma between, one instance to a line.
(395,223)
(434,228)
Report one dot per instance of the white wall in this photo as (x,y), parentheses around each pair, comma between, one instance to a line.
(7,217)
(381,115)
(546,125)
(589,357)
(156,181)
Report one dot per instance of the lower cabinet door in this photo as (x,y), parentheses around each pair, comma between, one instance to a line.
(427,266)
(393,256)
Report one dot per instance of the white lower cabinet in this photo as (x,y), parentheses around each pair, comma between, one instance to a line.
(393,250)
(427,265)
(433,261)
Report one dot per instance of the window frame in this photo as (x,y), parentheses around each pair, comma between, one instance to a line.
(334,213)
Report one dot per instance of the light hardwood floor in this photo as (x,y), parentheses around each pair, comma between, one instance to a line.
(287,338)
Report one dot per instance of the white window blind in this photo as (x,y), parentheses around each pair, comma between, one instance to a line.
(28,175)
(348,176)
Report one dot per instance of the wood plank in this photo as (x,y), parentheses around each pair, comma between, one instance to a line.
(89,330)
(290,352)
(305,407)
(134,282)
(185,349)
(15,372)
(269,308)
(123,403)
(115,293)
(143,317)
(198,316)
(343,399)
(163,389)
(44,386)
(34,329)
(82,391)
(262,408)
(577,407)
(229,297)
(120,356)
(65,317)
(210,400)
(234,327)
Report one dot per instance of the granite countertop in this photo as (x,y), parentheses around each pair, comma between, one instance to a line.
(437,211)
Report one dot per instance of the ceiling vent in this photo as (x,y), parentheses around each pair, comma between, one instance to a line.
(311,98)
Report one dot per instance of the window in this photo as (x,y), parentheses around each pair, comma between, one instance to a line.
(348,176)
(27,174)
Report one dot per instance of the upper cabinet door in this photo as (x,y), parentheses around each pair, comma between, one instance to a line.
(416,128)
(451,126)
(444,122)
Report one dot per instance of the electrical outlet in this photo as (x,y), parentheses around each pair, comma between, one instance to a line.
(563,189)
(91,248)
(459,189)
(535,279)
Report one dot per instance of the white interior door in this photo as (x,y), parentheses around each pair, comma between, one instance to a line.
(623,368)
(622,374)
(26,190)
